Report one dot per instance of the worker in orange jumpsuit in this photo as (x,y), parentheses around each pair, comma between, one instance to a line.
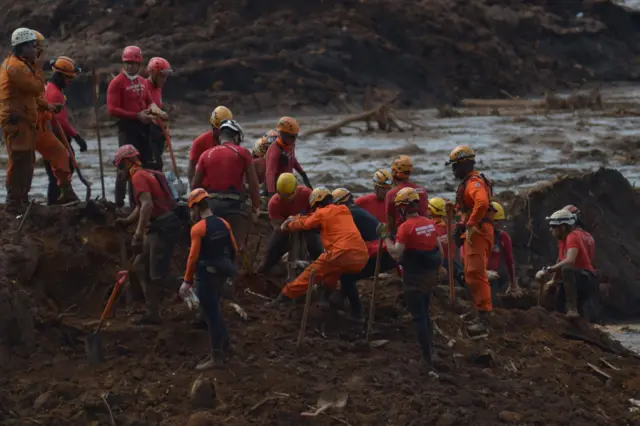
(159,71)
(401,169)
(208,139)
(345,250)
(20,86)
(374,203)
(475,231)
(281,156)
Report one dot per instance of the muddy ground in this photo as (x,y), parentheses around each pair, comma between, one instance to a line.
(534,368)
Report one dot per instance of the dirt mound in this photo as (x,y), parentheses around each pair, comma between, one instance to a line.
(609,208)
(256,55)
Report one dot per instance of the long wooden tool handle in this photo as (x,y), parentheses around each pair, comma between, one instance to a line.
(96,91)
(307,303)
(450,243)
(372,303)
(167,139)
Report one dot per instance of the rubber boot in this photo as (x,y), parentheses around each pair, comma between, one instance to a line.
(280,301)
(19,182)
(215,361)
(571,297)
(152,317)
(481,325)
(67,194)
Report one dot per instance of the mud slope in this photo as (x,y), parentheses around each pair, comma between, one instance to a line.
(258,55)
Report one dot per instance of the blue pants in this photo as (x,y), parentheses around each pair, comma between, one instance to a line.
(209,287)
(418,303)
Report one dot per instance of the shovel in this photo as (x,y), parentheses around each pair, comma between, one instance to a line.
(93,345)
(65,141)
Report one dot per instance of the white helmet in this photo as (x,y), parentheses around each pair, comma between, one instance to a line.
(562,217)
(234,126)
(22,35)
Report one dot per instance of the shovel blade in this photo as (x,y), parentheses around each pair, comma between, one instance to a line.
(93,348)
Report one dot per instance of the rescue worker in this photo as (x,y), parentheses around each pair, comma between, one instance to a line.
(281,155)
(159,70)
(345,251)
(374,203)
(208,139)
(438,213)
(64,71)
(290,200)
(128,101)
(20,85)
(417,249)
(367,225)
(157,228)
(587,238)
(474,232)
(573,274)
(501,258)
(260,148)
(221,170)
(212,260)
(401,169)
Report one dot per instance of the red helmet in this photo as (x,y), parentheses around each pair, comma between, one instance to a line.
(159,65)
(125,151)
(132,54)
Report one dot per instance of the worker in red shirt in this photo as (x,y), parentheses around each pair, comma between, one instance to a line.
(501,269)
(417,249)
(64,71)
(221,170)
(208,139)
(374,203)
(573,274)
(260,148)
(438,214)
(281,156)
(212,260)
(290,200)
(159,70)
(157,228)
(587,238)
(401,169)
(128,101)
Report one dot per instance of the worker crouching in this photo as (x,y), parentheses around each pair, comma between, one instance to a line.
(212,259)
(345,251)
(418,251)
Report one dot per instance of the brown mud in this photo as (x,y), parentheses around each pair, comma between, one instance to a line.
(534,368)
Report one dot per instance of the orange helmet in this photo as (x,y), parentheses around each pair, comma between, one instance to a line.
(196,196)
(341,196)
(318,195)
(288,125)
(125,151)
(406,196)
(65,66)
(401,166)
(219,114)
(383,178)
(262,144)
(461,153)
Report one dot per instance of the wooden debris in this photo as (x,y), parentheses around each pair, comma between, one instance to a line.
(590,100)
(599,372)
(608,364)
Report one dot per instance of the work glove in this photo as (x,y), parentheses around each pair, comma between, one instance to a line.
(255,215)
(471,230)
(493,275)
(189,296)
(81,143)
(286,223)
(383,231)
(542,274)
(306,180)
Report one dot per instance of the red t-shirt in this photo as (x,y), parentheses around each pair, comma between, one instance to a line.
(154,92)
(261,168)
(280,208)
(280,161)
(205,141)
(373,205)
(502,246)
(54,95)
(418,233)
(441,230)
(126,97)
(574,240)
(589,243)
(391,196)
(143,181)
(224,167)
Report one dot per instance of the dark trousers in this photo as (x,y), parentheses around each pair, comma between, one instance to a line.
(279,243)
(458,271)
(418,304)
(133,132)
(581,285)
(209,287)
(349,282)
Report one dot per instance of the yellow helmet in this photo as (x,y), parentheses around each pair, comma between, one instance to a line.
(220,114)
(401,166)
(499,215)
(461,153)
(341,196)
(436,205)
(286,185)
(383,178)
(288,125)
(406,196)
(318,195)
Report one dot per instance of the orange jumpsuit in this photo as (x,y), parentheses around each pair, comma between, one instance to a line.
(473,201)
(345,250)
(51,148)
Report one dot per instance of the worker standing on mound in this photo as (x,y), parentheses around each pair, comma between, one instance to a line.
(128,101)
(20,86)
(281,156)
(157,228)
(212,259)
(438,214)
(587,238)
(375,203)
(573,274)
(401,169)
(473,202)
(345,251)
(208,139)
(221,170)
(501,258)
(64,71)
(367,225)
(159,70)
(290,200)
(418,251)
(260,148)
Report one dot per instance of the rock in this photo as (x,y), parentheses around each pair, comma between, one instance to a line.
(45,400)
(509,417)
(203,393)
(201,418)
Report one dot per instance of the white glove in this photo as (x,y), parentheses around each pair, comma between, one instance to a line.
(189,296)
(493,275)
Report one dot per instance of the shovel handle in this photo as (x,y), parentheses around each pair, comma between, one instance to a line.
(167,139)
(121,277)
(449,222)
(372,303)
